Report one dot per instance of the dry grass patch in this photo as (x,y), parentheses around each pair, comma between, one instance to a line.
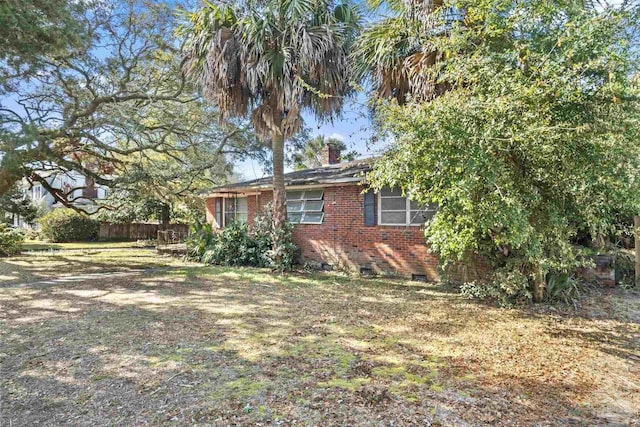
(31,267)
(207,346)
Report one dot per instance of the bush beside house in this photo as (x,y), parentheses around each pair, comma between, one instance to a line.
(239,245)
(10,240)
(67,225)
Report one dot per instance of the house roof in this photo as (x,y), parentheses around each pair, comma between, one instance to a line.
(339,173)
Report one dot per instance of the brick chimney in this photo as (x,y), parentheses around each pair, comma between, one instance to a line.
(330,154)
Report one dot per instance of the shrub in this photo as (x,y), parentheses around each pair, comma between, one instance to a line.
(264,235)
(67,225)
(625,269)
(507,288)
(10,240)
(237,245)
(563,288)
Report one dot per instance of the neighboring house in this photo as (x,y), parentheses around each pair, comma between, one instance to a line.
(84,193)
(337,222)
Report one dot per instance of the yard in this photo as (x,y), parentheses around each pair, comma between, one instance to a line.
(180,344)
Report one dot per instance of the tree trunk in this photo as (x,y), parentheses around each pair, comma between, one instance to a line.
(538,283)
(279,199)
(165,214)
(636,235)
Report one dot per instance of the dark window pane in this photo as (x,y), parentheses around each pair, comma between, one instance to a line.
(295,217)
(369,208)
(312,217)
(294,206)
(313,195)
(393,217)
(294,195)
(393,203)
(420,217)
(314,205)
(242,205)
(386,191)
(229,206)
(415,206)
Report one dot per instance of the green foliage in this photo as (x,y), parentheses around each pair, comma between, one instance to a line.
(241,54)
(32,29)
(10,240)
(67,225)
(15,202)
(625,269)
(508,287)
(563,288)
(278,257)
(534,141)
(239,245)
(127,207)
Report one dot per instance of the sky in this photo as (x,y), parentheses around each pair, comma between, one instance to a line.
(354,128)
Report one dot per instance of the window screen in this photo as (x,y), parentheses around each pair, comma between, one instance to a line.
(235,209)
(219,202)
(396,209)
(305,206)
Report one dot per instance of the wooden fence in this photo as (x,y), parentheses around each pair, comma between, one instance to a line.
(139,231)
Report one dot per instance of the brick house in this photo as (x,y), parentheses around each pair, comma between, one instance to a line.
(338,223)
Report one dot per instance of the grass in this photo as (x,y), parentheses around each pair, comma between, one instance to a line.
(194,345)
(37,245)
(37,266)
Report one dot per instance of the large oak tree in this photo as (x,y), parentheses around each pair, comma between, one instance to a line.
(112,105)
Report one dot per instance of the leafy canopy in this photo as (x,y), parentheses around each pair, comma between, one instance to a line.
(114,107)
(537,138)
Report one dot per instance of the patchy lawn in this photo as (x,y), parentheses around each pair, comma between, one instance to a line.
(35,266)
(195,345)
(38,245)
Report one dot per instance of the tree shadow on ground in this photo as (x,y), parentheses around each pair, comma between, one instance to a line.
(240,346)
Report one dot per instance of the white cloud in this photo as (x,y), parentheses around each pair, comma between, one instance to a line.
(337,136)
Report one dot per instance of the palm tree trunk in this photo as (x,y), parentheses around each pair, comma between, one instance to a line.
(279,203)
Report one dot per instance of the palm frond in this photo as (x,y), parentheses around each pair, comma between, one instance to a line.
(269,60)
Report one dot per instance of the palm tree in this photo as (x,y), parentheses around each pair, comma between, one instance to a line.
(309,154)
(270,60)
(394,54)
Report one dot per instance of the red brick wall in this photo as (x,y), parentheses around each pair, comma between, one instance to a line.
(343,240)
(211,209)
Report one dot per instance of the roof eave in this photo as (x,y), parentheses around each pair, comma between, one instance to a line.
(293,186)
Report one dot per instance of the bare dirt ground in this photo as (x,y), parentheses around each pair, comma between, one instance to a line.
(204,346)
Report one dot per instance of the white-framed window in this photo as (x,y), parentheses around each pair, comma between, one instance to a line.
(235,209)
(305,206)
(396,209)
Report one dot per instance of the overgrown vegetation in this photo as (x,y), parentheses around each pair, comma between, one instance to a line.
(240,245)
(67,225)
(10,240)
(533,142)
(625,269)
